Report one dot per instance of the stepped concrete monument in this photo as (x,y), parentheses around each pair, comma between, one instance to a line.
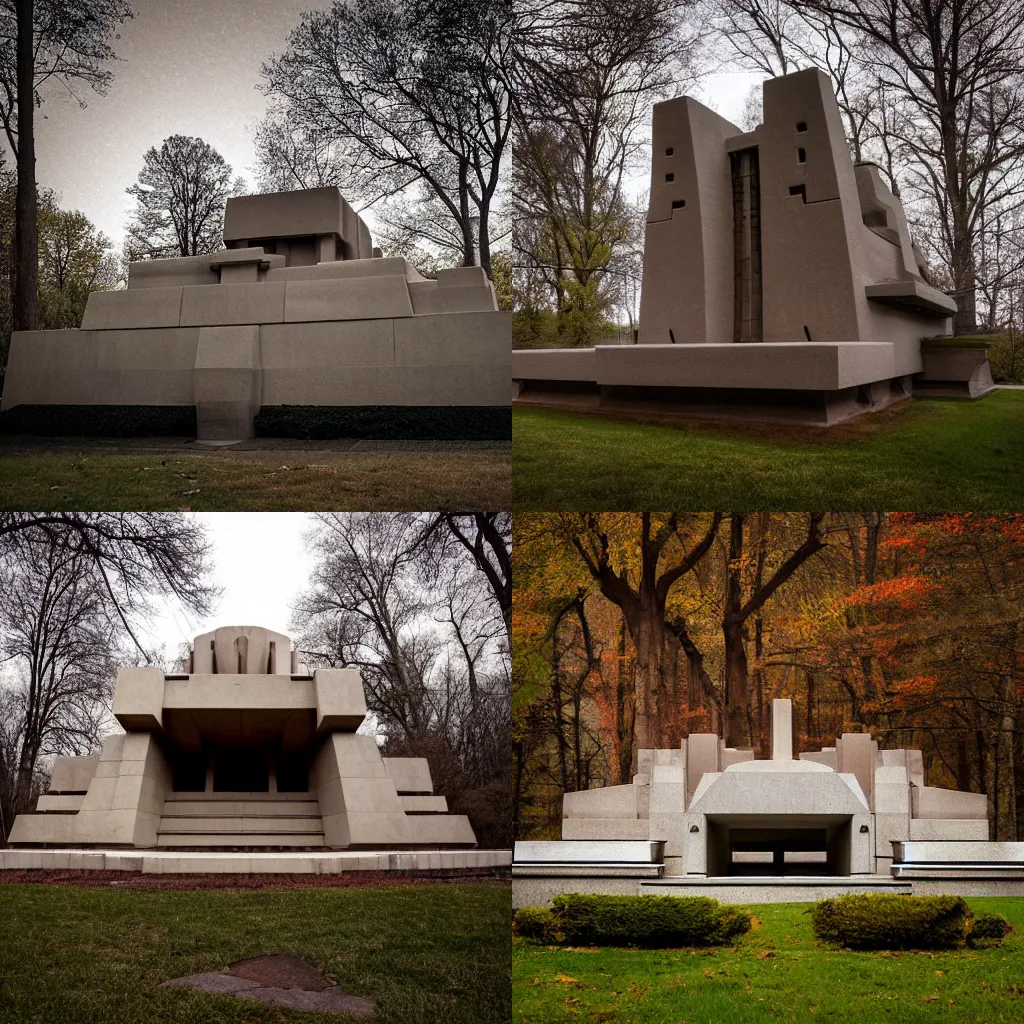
(707,819)
(298,311)
(780,280)
(247,759)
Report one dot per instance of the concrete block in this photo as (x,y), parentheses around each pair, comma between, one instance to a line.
(671,829)
(890,828)
(131,308)
(138,699)
(668,790)
(825,757)
(62,803)
(253,303)
(701,757)
(41,829)
(410,774)
(72,774)
(857,757)
(181,270)
(605,828)
(932,802)
(424,804)
(458,338)
(361,298)
(228,382)
(606,802)
(338,693)
(100,796)
(782,730)
(948,829)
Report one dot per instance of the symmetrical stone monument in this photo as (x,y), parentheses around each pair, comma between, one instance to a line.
(297,311)
(780,279)
(708,815)
(246,752)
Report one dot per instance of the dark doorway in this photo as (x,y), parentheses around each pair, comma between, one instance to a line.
(746,211)
(241,771)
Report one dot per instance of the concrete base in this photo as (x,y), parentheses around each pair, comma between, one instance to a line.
(799,408)
(755,889)
(154,862)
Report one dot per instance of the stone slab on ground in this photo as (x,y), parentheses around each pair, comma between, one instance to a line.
(278,979)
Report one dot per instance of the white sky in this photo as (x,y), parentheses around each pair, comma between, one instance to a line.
(185,67)
(261,564)
(191,67)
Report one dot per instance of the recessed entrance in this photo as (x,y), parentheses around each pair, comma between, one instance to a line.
(746,847)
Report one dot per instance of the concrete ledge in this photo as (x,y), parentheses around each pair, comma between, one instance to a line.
(314,863)
(807,366)
(133,308)
(794,889)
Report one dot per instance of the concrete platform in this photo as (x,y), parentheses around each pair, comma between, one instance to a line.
(166,862)
(787,889)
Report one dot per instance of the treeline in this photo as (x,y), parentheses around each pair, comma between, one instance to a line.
(633,630)
(934,94)
(420,603)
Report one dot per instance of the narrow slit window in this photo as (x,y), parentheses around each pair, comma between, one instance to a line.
(799,190)
(801,156)
(678,204)
(670,177)
(801,126)
(669,151)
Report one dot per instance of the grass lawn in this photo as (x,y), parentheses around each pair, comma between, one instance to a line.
(927,455)
(426,953)
(776,973)
(270,481)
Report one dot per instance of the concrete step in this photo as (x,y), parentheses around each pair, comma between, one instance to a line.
(229,839)
(240,809)
(213,798)
(246,824)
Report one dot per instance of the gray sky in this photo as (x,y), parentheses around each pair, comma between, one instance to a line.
(261,563)
(190,67)
(185,67)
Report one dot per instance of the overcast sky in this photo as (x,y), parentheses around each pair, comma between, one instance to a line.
(190,67)
(261,564)
(185,67)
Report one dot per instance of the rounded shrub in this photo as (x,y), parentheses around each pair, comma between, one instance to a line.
(535,924)
(651,921)
(989,926)
(884,921)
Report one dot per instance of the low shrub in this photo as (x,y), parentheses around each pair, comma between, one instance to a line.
(536,924)
(883,921)
(387,422)
(652,921)
(989,926)
(100,420)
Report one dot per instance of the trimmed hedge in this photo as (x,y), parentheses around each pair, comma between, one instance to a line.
(100,420)
(387,422)
(884,921)
(989,926)
(650,921)
(537,924)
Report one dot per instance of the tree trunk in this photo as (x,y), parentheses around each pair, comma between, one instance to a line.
(737,684)
(26,238)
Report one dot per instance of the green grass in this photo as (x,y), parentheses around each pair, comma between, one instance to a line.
(426,953)
(928,455)
(276,481)
(776,973)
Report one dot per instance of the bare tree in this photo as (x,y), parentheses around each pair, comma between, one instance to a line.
(586,75)
(137,554)
(407,604)
(42,41)
(957,66)
(58,641)
(404,94)
(180,197)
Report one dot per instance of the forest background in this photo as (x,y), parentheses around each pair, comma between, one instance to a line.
(632,630)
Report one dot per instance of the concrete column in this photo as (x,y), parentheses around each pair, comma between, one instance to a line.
(782,730)
(701,757)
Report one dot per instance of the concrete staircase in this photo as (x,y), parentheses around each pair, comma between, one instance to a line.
(231,820)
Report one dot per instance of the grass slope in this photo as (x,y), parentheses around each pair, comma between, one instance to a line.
(281,481)
(427,953)
(776,973)
(929,455)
